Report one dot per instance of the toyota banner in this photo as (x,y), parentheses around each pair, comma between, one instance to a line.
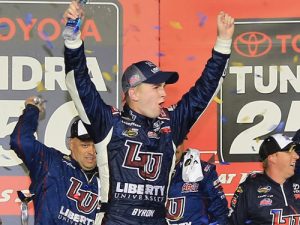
(260,93)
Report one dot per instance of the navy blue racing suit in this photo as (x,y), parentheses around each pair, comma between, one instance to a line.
(197,203)
(63,193)
(136,154)
(261,201)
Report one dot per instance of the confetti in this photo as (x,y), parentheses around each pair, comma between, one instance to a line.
(202,19)
(176,25)
(107,76)
(160,54)
(50,44)
(295,59)
(217,100)
(224,119)
(40,87)
(28,19)
(88,51)
(237,64)
(246,119)
(280,127)
(43,67)
(157,27)
(3,26)
(45,37)
(190,58)
(115,68)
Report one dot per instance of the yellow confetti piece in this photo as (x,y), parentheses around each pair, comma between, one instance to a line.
(176,25)
(257,140)
(237,64)
(246,119)
(88,51)
(295,59)
(217,100)
(276,68)
(107,76)
(40,87)
(43,67)
(115,68)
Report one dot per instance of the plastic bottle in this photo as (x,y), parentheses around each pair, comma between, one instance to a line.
(73,26)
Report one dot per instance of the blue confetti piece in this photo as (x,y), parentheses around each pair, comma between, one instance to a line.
(28,19)
(248,221)
(48,42)
(156,27)
(160,54)
(280,127)
(190,58)
(202,19)
(3,26)
(224,119)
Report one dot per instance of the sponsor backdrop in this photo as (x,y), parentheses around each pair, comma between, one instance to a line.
(258,97)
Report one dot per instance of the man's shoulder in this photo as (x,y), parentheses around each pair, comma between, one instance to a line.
(254,178)
(207,167)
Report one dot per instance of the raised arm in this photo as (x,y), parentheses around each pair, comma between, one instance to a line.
(193,103)
(92,110)
(34,154)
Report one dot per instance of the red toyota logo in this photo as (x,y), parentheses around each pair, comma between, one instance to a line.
(252,44)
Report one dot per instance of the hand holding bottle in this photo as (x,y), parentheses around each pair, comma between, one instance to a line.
(73,18)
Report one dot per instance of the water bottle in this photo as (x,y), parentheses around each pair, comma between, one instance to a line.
(73,26)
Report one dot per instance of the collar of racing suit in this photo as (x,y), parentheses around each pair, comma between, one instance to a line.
(132,115)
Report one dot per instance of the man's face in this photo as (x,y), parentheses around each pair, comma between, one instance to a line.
(285,162)
(84,153)
(149,99)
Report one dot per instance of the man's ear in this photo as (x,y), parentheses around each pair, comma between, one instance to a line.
(133,94)
(273,157)
(70,143)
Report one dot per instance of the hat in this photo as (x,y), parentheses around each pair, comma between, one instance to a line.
(296,139)
(146,72)
(78,131)
(275,143)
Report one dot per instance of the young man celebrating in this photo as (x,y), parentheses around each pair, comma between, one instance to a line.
(66,187)
(136,147)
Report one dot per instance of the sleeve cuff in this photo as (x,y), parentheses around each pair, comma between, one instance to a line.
(223,46)
(74,44)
